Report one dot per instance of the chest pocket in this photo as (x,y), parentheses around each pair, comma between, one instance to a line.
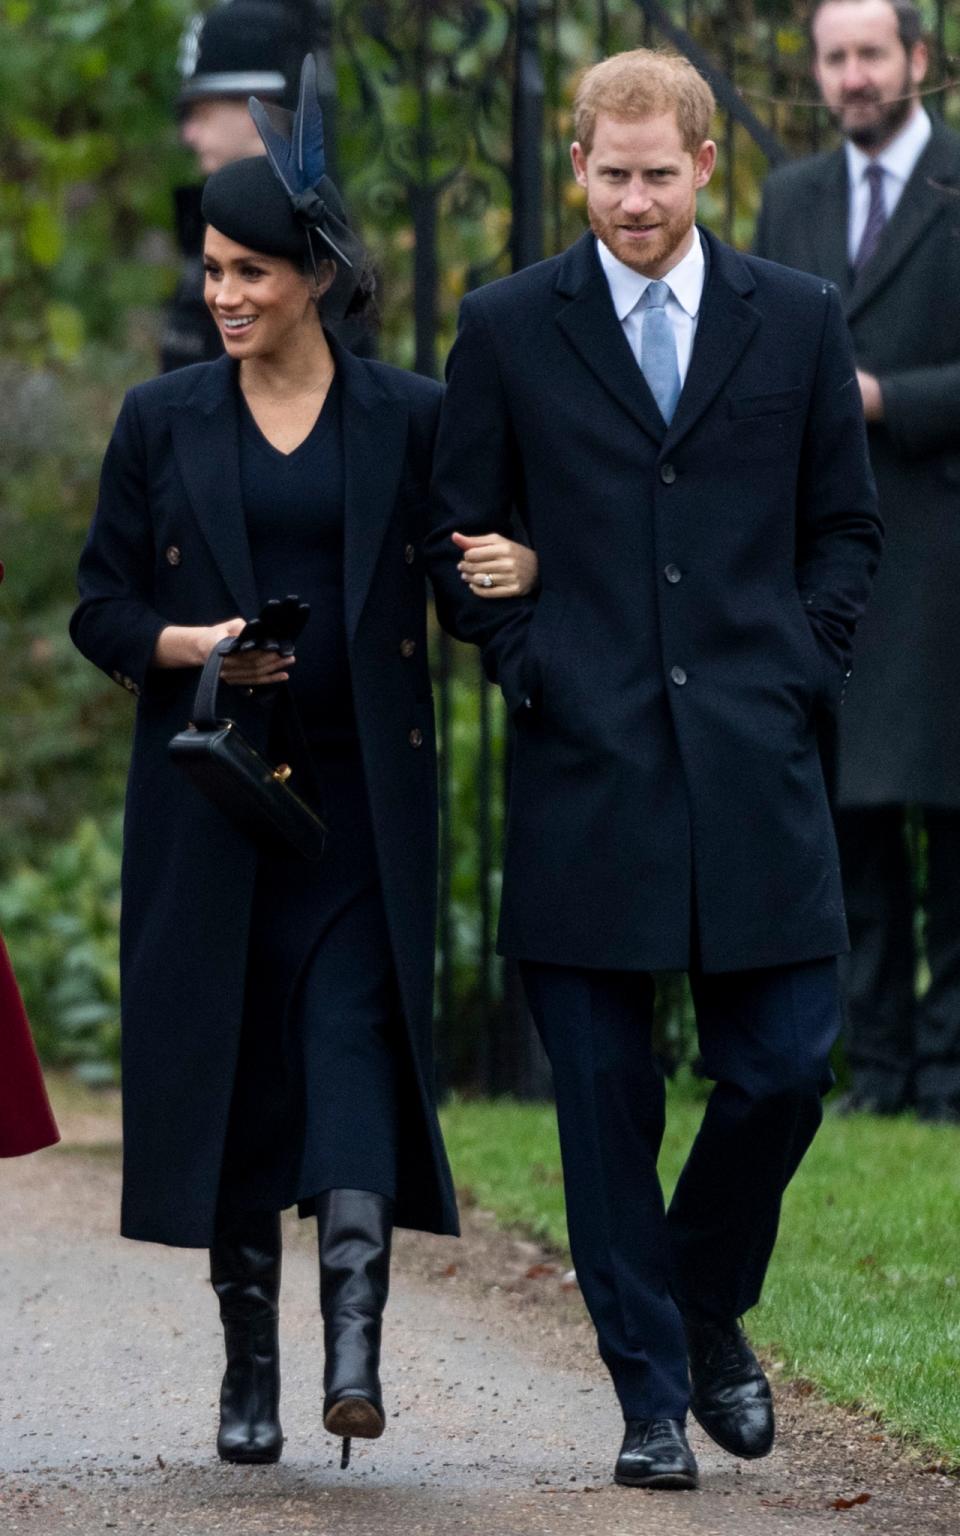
(743,407)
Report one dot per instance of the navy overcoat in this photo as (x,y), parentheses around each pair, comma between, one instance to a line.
(168,545)
(700,585)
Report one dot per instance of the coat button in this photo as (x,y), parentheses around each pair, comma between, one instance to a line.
(173,555)
(409,553)
(678,676)
(415,737)
(673,574)
(667,474)
(407,647)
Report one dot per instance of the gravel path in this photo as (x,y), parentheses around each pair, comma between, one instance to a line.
(500,1421)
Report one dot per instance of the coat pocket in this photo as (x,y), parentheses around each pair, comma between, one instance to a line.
(776,404)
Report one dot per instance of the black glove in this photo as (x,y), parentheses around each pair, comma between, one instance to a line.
(277,627)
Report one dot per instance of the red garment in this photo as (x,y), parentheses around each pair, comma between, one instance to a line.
(26,1120)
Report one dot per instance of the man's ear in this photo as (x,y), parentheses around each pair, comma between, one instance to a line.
(704,163)
(579,161)
(919,61)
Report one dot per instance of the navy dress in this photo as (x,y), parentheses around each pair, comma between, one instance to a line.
(323,1051)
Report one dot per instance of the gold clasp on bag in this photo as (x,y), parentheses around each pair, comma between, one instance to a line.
(282,773)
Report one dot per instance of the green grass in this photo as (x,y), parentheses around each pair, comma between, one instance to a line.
(863,1295)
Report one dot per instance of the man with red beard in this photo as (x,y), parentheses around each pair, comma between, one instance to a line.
(880,217)
(680,430)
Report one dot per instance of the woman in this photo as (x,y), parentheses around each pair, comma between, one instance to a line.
(277,1013)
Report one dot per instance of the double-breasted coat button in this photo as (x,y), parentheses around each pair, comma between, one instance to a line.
(409,553)
(407,647)
(668,474)
(673,574)
(678,676)
(173,555)
(415,737)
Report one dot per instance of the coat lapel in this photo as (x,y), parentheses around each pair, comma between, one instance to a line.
(590,324)
(374,444)
(726,324)
(207,448)
(827,218)
(926,194)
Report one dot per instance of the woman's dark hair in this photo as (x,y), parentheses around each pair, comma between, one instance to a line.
(909,20)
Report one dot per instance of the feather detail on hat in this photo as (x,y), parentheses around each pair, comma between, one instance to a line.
(294,146)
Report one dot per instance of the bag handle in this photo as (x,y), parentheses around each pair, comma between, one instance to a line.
(205,704)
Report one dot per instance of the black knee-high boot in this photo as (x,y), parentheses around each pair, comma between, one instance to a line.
(355,1228)
(245,1273)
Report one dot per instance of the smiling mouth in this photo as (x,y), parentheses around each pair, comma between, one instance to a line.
(238,326)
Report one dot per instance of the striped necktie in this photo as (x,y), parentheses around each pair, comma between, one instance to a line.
(876,218)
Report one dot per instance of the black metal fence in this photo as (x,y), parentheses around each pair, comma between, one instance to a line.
(448,127)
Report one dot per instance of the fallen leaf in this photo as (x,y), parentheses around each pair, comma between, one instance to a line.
(449,1272)
(538,1271)
(860,1498)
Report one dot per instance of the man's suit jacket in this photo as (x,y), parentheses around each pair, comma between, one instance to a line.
(899,738)
(699,590)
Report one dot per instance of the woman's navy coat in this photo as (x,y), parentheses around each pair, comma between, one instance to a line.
(168,546)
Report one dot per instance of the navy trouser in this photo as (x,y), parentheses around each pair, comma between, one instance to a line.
(765,1037)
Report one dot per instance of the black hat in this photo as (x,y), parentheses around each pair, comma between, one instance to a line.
(240,48)
(247,202)
(283,203)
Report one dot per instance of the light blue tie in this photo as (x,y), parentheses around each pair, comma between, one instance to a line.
(658,350)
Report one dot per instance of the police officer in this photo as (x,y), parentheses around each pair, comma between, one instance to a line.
(239,49)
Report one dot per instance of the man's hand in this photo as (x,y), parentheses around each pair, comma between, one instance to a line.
(871,395)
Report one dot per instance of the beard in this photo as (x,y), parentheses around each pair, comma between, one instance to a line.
(888,119)
(653,256)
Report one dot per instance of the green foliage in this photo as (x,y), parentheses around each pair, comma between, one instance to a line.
(89,152)
(60,920)
(863,1295)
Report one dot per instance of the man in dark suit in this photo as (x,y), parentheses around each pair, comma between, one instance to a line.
(880,217)
(707,531)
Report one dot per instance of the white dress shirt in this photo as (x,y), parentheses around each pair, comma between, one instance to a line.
(685,282)
(898,161)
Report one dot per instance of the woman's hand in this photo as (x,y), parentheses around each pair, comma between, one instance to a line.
(496,567)
(188,645)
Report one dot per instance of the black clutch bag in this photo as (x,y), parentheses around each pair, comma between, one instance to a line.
(220,762)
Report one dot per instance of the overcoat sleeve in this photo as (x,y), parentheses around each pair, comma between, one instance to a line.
(921,409)
(474,491)
(839,531)
(114,624)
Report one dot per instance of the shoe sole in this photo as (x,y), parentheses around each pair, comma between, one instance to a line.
(354,1418)
(680,1481)
(730,1449)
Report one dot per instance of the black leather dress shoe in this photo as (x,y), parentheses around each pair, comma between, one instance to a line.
(655,1454)
(729,1394)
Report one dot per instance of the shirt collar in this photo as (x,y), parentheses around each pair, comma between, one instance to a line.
(899,157)
(685,280)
